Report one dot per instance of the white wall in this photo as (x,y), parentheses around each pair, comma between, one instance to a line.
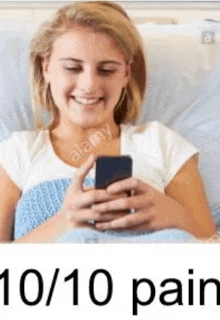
(165,12)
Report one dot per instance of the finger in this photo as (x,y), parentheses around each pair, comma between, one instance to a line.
(82,172)
(86,199)
(147,226)
(108,217)
(127,185)
(93,196)
(135,202)
(103,196)
(83,216)
(88,188)
(126,222)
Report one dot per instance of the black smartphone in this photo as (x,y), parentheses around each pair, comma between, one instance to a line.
(112,169)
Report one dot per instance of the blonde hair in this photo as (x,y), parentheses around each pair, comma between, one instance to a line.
(101,16)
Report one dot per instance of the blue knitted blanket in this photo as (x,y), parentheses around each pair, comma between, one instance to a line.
(40,203)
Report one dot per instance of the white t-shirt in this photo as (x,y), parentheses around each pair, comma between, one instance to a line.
(29,159)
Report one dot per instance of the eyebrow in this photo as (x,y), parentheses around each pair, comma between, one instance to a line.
(81,61)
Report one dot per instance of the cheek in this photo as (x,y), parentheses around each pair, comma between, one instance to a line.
(116,88)
(62,83)
(116,83)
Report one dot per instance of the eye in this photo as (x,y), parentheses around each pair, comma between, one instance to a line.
(106,72)
(73,69)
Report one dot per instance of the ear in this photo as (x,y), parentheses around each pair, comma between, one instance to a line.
(45,67)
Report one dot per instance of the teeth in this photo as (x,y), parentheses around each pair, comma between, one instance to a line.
(85,101)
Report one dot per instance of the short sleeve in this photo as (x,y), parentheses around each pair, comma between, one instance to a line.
(177,151)
(11,158)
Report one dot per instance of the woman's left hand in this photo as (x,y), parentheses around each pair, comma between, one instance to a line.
(153,209)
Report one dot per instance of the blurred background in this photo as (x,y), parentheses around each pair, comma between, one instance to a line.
(161,12)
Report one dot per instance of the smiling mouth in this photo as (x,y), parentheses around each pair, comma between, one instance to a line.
(86,101)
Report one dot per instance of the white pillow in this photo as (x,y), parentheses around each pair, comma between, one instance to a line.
(15,102)
(184,90)
(179,60)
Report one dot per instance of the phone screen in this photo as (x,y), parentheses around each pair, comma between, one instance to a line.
(112,169)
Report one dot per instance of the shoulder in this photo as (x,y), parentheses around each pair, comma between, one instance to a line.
(154,137)
(155,131)
(24,137)
(22,143)
(150,130)
(24,134)
(16,153)
(144,128)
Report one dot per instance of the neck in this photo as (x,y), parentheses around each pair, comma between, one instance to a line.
(74,144)
(107,131)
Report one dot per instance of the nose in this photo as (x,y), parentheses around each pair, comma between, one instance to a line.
(89,82)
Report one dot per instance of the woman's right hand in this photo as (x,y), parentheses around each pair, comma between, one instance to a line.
(76,207)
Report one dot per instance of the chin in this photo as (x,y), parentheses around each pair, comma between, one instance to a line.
(88,121)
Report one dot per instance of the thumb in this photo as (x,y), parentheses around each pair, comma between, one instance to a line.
(82,172)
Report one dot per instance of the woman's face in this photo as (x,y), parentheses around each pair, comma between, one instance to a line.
(86,72)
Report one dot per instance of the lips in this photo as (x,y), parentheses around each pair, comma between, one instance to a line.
(86,101)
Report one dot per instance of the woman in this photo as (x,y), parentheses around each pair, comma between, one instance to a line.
(88,71)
